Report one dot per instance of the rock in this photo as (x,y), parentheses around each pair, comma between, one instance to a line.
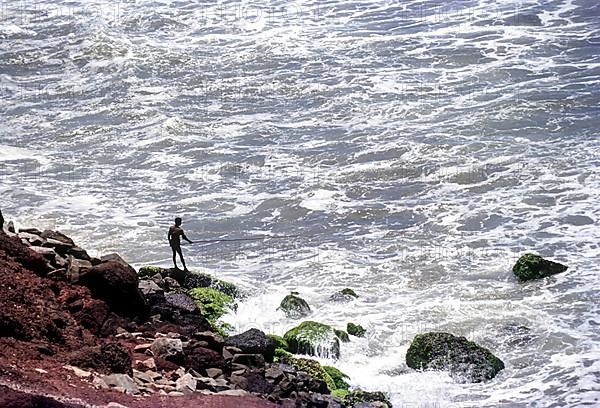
(109,358)
(252,382)
(344,295)
(148,287)
(200,359)
(342,335)
(33,239)
(114,257)
(141,348)
(10,227)
(294,306)
(48,253)
(79,372)
(186,384)
(181,301)
(338,377)
(212,303)
(149,271)
(122,381)
(531,266)
(79,253)
(249,360)
(253,341)
(168,349)
(169,284)
(274,373)
(464,359)
(355,330)
(24,255)
(33,231)
(233,393)
(57,236)
(359,398)
(213,340)
(117,285)
(314,369)
(142,377)
(214,372)
(76,267)
(59,246)
(315,339)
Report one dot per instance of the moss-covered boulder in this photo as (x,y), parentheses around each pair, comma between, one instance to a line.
(531,266)
(150,271)
(465,360)
(312,368)
(356,330)
(313,338)
(279,341)
(342,335)
(281,354)
(212,303)
(294,306)
(338,377)
(344,295)
(365,398)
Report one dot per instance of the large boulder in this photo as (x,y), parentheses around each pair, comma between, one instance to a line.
(294,306)
(355,330)
(531,266)
(168,349)
(253,341)
(315,339)
(181,310)
(465,360)
(109,358)
(117,285)
(201,358)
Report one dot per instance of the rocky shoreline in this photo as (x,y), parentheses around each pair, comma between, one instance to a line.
(73,326)
(95,332)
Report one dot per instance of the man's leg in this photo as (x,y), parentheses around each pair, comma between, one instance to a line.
(182,260)
(174,257)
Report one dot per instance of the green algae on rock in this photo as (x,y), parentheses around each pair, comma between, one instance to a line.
(342,335)
(531,266)
(294,306)
(213,303)
(313,368)
(465,360)
(370,399)
(279,341)
(356,330)
(338,377)
(313,338)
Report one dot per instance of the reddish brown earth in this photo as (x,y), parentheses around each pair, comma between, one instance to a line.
(43,322)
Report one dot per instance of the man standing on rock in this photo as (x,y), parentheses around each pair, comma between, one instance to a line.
(175,235)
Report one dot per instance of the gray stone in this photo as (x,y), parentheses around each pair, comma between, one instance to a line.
(186,384)
(76,268)
(48,253)
(79,253)
(168,349)
(274,373)
(59,246)
(33,239)
(149,287)
(122,381)
(214,372)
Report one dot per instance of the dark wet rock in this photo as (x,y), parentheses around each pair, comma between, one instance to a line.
(356,330)
(201,359)
(253,341)
(313,338)
(148,287)
(465,360)
(294,306)
(58,236)
(342,335)
(213,340)
(79,253)
(250,360)
(531,266)
(107,359)
(117,285)
(253,382)
(344,295)
(279,341)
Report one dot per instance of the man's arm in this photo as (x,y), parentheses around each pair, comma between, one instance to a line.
(169,235)
(184,237)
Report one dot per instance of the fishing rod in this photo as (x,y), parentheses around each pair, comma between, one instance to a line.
(207,241)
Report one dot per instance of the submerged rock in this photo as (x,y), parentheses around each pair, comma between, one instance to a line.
(356,330)
(531,266)
(344,295)
(462,358)
(313,338)
(294,306)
